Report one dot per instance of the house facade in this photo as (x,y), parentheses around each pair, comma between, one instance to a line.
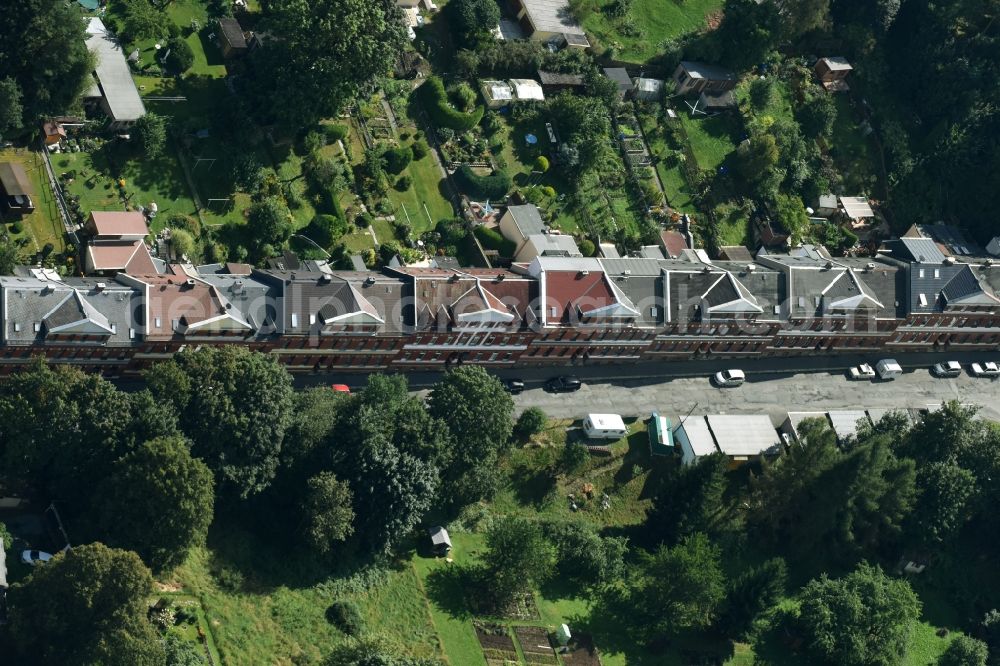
(918,294)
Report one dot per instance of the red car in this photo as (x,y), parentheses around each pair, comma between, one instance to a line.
(341,388)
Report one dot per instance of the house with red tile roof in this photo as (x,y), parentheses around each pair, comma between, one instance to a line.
(119,256)
(116,225)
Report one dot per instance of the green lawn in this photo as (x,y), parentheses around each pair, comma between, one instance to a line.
(732,227)
(676,188)
(428,189)
(147,180)
(43,225)
(656,21)
(712,138)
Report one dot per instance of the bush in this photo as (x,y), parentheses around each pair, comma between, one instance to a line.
(587,247)
(344,615)
(574,456)
(363,220)
(335,133)
(313,141)
(462,96)
(325,230)
(530,423)
(404,183)
(229,579)
(397,159)
(17,227)
(494,186)
(542,163)
(181,56)
(420,149)
(441,111)
(492,240)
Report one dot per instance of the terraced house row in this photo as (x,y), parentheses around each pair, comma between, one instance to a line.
(920,292)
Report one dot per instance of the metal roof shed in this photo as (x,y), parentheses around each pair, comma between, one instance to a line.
(856,207)
(695,439)
(440,541)
(661,436)
(845,423)
(794,419)
(741,436)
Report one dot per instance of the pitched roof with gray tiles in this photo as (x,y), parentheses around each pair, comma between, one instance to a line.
(256,300)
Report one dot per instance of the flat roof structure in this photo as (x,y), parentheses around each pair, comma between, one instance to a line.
(845,422)
(14,180)
(856,207)
(113,75)
(606,421)
(744,435)
(552,16)
(527,89)
(695,436)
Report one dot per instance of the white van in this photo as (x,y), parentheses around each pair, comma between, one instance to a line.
(887,368)
(604,426)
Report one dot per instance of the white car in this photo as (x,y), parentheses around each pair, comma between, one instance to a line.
(33,557)
(863,371)
(729,378)
(947,369)
(988,369)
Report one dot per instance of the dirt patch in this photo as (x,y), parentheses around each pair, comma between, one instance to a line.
(535,645)
(169,587)
(498,647)
(713,20)
(582,652)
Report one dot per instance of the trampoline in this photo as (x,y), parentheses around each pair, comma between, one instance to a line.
(89,5)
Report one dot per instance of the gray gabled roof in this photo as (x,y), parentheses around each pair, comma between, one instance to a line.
(922,250)
(527,218)
(966,289)
(76,316)
(113,74)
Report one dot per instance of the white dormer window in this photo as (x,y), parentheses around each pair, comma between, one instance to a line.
(156,323)
(295,320)
(312,319)
(921,273)
(922,299)
(37,327)
(131,333)
(937,274)
(114,329)
(174,323)
(553,311)
(17,327)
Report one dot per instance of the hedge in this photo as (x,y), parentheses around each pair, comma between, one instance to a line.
(335,133)
(441,111)
(494,186)
(492,240)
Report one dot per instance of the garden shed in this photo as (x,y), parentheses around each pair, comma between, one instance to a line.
(15,188)
(440,541)
(231,39)
(661,436)
(527,90)
(621,78)
(497,94)
(648,90)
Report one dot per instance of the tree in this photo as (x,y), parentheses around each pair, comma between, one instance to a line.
(65,610)
(748,33)
(397,159)
(10,256)
(158,501)
(965,651)
(387,434)
(372,651)
(270,221)
(679,588)
(325,230)
(583,556)
(183,243)
(751,593)
(477,410)
(587,247)
(11,111)
(180,57)
(531,422)
(518,558)
(43,49)
(802,16)
(152,133)
(817,116)
(236,412)
(945,501)
(474,18)
(182,652)
(583,123)
(861,619)
(143,21)
(691,501)
(321,53)
(5,537)
(757,157)
(328,513)
(790,214)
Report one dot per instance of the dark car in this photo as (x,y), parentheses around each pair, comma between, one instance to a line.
(563,384)
(513,386)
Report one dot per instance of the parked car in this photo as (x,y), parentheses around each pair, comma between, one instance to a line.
(563,384)
(33,557)
(863,371)
(513,386)
(947,369)
(988,369)
(340,388)
(729,378)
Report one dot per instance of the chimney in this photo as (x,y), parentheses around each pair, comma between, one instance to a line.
(100,286)
(189,282)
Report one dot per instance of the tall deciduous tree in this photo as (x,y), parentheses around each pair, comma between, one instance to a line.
(152,132)
(965,651)
(270,221)
(236,410)
(474,18)
(862,619)
(328,513)
(518,558)
(158,501)
(748,33)
(478,411)
(321,52)
(11,111)
(678,588)
(43,49)
(84,606)
(143,21)
(945,502)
